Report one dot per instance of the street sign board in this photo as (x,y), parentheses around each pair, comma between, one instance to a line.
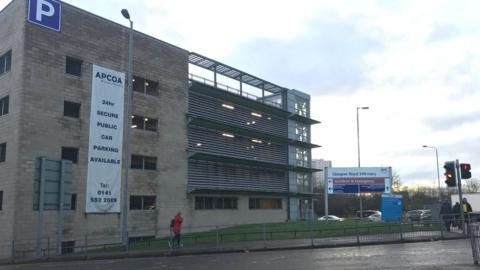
(392,207)
(54,173)
(359,180)
(46,13)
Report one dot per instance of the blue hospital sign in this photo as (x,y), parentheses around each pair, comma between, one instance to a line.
(46,13)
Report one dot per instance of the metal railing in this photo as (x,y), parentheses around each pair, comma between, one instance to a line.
(241,237)
(232,90)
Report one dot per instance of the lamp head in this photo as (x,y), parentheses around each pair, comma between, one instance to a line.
(125,14)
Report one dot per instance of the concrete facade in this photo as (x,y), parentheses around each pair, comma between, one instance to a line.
(11,83)
(36,127)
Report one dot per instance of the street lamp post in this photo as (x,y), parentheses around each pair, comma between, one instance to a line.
(438,171)
(128,124)
(358,152)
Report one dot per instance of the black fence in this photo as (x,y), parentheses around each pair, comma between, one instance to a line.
(302,234)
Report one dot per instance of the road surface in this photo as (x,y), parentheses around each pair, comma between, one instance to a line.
(451,255)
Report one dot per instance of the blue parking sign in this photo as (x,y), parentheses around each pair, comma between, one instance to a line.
(46,13)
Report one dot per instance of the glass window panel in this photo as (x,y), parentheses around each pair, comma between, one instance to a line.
(150,163)
(199,203)
(208,203)
(8,61)
(2,64)
(71,109)
(149,202)
(138,122)
(138,84)
(135,202)
(136,162)
(219,203)
(150,124)
(151,88)
(73,66)
(3,152)
(70,153)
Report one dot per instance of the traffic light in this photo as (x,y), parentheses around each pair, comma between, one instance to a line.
(465,171)
(451,180)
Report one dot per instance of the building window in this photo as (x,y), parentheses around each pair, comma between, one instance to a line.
(73,201)
(301,132)
(71,109)
(143,202)
(1,200)
(303,183)
(264,203)
(202,203)
(70,153)
(68,247)
(143,162)
(3,152)
(145,123)
(301,155)
(145,86)
(4,105)
(6,62)
(73,66)
(301,106)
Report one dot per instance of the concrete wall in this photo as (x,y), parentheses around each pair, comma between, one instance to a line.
(11,38)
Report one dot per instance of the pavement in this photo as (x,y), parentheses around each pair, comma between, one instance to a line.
(439,255)
(250,246)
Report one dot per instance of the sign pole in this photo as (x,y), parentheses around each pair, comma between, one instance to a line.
(43,162)
(459,183)
(325,183)
(61,201)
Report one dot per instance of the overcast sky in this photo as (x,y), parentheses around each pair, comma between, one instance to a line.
(414,63)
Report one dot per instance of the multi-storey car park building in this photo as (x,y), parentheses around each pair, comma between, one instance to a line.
(200,143)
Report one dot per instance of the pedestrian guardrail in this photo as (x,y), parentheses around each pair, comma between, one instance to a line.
(474,230)
(248,237)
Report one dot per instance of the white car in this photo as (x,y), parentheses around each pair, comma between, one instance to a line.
(375,217)
(330,217)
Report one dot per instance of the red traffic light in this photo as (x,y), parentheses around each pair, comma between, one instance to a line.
(465,171)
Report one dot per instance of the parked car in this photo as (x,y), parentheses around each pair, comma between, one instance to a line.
(331,218)
(419,216)
(375,217)
(367,213)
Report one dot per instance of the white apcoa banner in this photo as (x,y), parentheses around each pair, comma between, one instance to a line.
(105,143)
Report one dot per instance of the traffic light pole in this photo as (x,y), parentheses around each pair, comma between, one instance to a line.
(459,183)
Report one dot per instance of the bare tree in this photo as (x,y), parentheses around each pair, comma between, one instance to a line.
(396,182)
(472,185)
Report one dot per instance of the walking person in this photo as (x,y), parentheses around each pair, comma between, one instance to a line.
(456,215)
(445,213)
(467,209)
(177,229)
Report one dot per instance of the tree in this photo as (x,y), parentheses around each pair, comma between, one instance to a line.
(472,185)
(396,182)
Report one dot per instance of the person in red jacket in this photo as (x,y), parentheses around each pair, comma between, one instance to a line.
(177,228)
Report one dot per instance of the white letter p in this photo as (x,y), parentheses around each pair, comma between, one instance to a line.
(40,12)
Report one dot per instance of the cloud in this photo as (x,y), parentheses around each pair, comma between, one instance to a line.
(450,122)
(443,32)
(329,58)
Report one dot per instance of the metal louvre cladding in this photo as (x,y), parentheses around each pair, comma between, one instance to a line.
(223,176)
(211,141)
(211,108)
